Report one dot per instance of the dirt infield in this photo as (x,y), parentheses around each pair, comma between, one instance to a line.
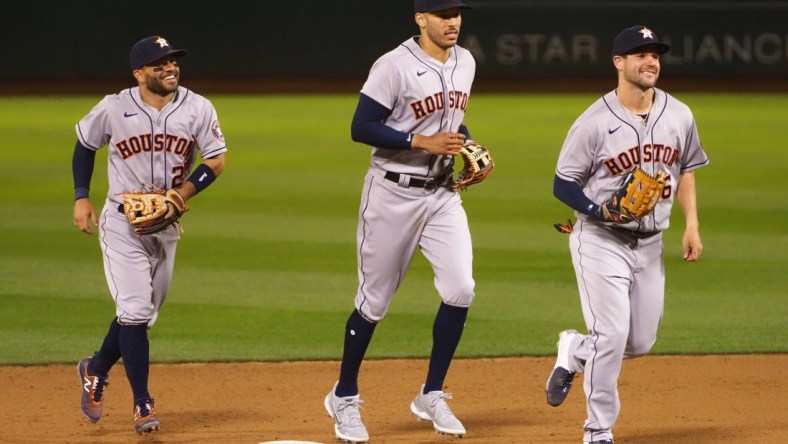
(665,399)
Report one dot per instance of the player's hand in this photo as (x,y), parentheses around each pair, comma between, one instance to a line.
(84,212)
(690,244)
(440,143)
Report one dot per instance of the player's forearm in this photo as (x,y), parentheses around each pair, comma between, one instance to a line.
(379,135)
(82,163)
(571,193)
(367,126)
(687,200)
(216,164)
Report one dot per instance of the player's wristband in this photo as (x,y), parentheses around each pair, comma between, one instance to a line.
(201,177)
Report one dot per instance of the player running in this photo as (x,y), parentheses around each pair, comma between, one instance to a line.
(153,132)
(411,111)
(619,267)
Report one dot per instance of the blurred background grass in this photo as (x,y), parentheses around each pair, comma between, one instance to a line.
(266,266)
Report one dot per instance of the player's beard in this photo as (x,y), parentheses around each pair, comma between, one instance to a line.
(643,82)
(157,86)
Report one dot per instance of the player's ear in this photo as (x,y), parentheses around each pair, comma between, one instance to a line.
(618,62)
(420,20)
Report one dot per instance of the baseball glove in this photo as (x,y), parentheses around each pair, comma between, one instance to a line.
(149,212)
(636,197)
(477,165)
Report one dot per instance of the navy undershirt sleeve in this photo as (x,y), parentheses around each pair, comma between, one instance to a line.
(368,126)
(570,193)
(82,168)
(464,130)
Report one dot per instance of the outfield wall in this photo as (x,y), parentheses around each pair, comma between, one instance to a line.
(514,41)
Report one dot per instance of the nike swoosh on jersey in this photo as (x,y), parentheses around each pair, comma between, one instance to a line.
(421,73)
(611,131)
(129,114)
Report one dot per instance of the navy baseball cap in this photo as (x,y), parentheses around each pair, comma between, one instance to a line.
(438,5)
(637,37)
(151,49)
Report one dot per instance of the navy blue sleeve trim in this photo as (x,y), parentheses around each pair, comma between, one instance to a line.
(213,153)
(368,126)
(570,193)
(82,168)
(694,166)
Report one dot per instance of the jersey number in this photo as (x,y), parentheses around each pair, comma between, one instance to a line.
(178,173)
(666,191)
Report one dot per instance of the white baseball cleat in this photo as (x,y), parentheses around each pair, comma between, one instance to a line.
(347,418)
(433,407)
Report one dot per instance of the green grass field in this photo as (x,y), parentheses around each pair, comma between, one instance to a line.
(266,267)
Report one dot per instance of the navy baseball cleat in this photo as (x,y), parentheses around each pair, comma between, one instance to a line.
(561,378)
(92,392)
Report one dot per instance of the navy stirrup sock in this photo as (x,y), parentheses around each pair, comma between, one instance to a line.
(446,333)
(358,334)
(135,349)
(108,354)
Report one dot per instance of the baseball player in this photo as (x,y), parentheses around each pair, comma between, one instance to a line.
(153,132)
(411,112)
(619,267)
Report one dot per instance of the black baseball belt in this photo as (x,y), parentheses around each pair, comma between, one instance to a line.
(427,184)
(635,234)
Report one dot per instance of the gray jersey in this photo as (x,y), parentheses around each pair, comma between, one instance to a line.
(425,96)
(612,140)
(149,148)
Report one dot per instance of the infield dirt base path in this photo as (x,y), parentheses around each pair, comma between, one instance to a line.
(665,399)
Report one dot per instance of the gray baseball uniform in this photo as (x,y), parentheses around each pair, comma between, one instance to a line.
(619,268)
(425,97)
(148,149)
(414,99)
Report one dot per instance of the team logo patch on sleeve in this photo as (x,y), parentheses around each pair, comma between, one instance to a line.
(217,130)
